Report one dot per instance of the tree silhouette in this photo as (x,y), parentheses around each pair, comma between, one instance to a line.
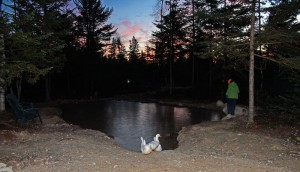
(134,49)
(91,27)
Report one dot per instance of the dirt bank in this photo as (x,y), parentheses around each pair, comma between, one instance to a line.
(210,146)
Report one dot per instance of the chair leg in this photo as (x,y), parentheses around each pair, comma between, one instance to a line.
(40,117)
(23,120)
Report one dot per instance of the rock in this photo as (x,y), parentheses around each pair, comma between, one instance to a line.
(239,110)
(3,168)
(220,103)
(2,165)
(215,116)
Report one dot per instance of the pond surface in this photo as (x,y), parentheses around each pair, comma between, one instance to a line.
(126,121)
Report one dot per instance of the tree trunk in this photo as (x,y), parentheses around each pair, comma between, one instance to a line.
(2,99)
(193,44)
(2,90)
(47,89)
(251,67)
(171,49)
(19,88)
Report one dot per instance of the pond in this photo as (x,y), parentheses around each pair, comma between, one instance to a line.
(126,121)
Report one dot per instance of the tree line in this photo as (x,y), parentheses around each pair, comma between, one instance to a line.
(234,39)
(197,44)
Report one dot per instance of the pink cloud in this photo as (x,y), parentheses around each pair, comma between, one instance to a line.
(126,23)
(138,38)
(127,30)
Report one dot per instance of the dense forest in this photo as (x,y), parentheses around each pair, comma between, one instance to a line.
(50,51)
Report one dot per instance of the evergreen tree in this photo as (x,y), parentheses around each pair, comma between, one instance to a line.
(34,42)
(226,29)
(93,33)
(116,49)
(169,39)
(113,49)
(280,39)
(281,36)
(120,49)
(160,46)
(194,34)
(133,50)
(157,41)
(56,19)
(91,27)
(149,52)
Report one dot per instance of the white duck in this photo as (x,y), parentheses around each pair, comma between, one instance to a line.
(155,145)
(145,148)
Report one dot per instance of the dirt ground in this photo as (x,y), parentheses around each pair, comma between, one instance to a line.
(224,146)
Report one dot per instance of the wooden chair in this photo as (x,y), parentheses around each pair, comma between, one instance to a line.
(22,113)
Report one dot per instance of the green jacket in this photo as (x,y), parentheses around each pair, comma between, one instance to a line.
(232,91)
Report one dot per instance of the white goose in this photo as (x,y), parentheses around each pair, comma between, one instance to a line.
(155,145)
(145,148)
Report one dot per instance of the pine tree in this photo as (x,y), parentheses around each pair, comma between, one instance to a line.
(280,39)
(148,53)
(225,26)
(54,19)
(120,49)
(194,34)
(133,50)
(91,27)
(281,33)
(169,39)
(34,42)
(113,49)
(116,49)
(93,33)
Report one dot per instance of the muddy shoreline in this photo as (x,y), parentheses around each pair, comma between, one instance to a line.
(208,146)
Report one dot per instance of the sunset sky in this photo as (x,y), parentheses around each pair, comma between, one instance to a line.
(132,18)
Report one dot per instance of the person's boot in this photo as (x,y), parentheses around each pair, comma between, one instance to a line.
(227,117)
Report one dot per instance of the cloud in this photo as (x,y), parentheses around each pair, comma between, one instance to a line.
(128,29)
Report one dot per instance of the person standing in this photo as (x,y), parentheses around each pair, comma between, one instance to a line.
(232,95)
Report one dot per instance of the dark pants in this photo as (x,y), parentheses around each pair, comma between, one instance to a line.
(231,106)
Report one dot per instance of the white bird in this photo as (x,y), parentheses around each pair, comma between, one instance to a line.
(145,148)
(155,145)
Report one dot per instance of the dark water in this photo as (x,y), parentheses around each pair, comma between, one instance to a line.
(127,121)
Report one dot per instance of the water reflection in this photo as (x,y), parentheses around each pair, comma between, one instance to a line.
(127,121)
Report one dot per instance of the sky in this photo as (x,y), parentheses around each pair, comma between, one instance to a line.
(132,18)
